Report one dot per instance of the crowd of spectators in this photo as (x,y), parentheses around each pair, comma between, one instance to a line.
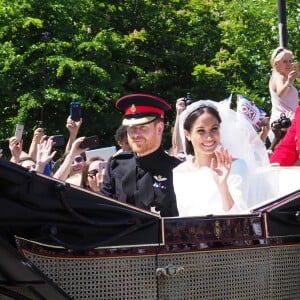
(141,172)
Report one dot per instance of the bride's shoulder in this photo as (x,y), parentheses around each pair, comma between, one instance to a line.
(239,166)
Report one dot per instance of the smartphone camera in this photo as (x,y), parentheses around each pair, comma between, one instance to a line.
(89,142)
(40,124)
(75,111)
(19,131)
(188,99)
(59,140)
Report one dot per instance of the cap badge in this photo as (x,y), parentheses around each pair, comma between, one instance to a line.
(133,108)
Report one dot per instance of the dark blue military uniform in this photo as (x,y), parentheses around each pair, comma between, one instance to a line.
(142,180)
(145,181)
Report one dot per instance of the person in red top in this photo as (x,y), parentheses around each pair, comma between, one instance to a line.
(287,152)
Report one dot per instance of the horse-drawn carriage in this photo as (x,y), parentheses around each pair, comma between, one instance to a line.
(61,242)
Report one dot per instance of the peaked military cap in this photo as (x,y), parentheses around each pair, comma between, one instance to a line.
(141,108)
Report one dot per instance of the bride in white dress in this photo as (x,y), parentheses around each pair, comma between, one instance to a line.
(223,152)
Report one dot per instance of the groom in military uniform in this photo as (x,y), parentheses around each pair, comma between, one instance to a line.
(144,176)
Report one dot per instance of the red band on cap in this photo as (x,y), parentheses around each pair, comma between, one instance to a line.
(132,110)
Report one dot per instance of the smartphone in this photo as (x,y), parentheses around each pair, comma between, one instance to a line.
(90,142)
(19,131)
(75,111)
(59,140)
(40,124)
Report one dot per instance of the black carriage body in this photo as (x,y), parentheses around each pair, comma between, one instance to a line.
(61,242)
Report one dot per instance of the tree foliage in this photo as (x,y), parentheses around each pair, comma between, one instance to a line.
(53,52)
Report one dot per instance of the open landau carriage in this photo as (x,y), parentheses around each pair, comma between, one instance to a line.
(62,242)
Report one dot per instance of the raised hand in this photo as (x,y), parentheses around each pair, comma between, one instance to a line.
(44,154)
(221,165)
(73,126)
(16,148)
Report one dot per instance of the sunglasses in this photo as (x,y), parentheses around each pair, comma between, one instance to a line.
(78,159)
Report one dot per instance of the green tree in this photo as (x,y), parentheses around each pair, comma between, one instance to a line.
(98,51)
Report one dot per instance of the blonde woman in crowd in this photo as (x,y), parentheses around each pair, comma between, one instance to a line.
(284,95)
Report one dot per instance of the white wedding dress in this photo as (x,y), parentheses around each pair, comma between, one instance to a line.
(197,193)
(251,180)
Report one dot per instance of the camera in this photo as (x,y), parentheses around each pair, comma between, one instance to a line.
(40,124)
(59,140)
(188,99)
(89,142)
(75,111)
(19,131)
(281,123)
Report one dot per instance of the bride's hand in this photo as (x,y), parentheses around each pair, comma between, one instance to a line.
(221,165)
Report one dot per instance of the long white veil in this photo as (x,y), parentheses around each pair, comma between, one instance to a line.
(242,141)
